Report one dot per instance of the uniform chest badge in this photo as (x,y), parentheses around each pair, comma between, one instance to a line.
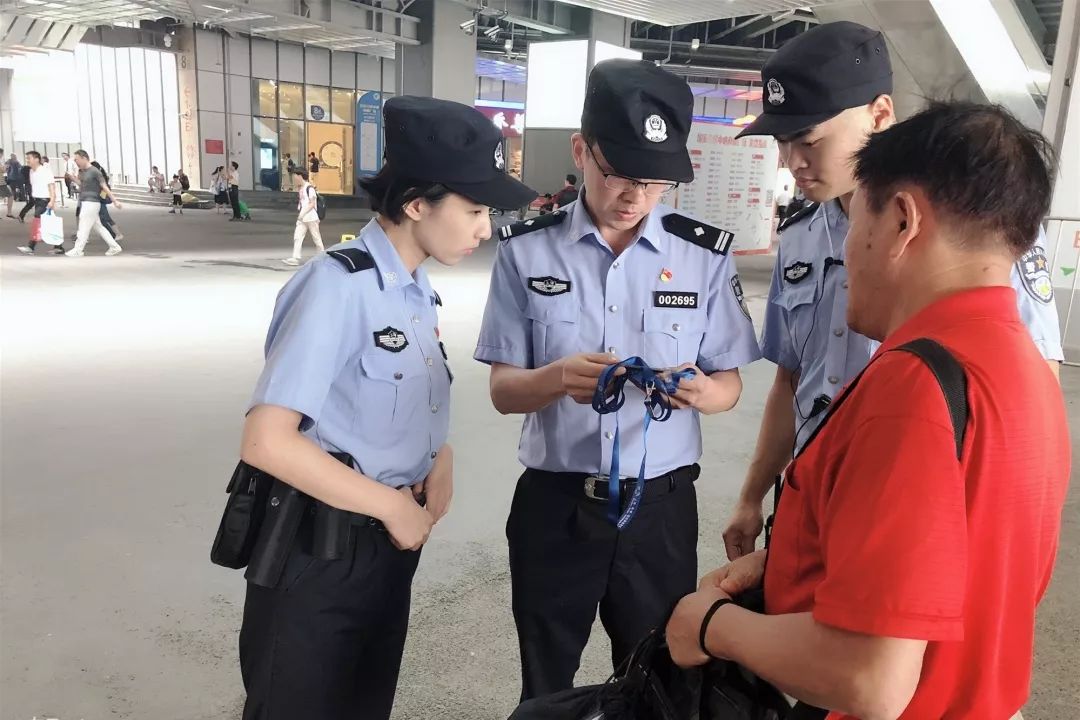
(500,161)
(1035,275)
(776,92)
(391,339)
(655,129)
(549,285)
(665,275)
(796,272)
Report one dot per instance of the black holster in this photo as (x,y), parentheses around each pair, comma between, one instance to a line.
(263,519)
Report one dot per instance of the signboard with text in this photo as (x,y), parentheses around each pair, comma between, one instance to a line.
(734,182)
(511,122)
(369,135)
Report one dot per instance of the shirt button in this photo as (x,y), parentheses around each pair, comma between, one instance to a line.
(609,435)
(433,454)
(844,285)
(430,362)
(833,379)
(611,349)
(676,327)
(614,308)
(435,408)
(838,332)
(416,318)
(615,264)
(398,376)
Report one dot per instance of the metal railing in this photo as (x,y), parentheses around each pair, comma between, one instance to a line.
(1057,224)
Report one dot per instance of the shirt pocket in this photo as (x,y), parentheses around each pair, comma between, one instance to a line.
(800,303)
(672,337)
(394,389)
(555,327)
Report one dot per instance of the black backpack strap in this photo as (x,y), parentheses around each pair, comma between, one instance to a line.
(952,379)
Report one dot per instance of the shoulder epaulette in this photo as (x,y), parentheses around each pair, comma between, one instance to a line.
(806,211)
(353,259)
(527,226)
(711,238)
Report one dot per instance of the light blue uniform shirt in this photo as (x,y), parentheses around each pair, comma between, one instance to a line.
(806,315)
(560,291)
(358,355)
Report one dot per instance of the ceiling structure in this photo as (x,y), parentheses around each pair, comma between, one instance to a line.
(354,26)
(684,12)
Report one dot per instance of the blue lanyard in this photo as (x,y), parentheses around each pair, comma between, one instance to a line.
(610,396)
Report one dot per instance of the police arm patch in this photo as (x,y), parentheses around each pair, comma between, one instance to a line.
(740,297)
(1034,272)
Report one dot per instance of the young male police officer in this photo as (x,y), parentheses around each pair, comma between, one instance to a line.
(613,275)
(825,91)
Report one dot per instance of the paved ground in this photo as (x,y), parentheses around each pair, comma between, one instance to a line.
(124,380)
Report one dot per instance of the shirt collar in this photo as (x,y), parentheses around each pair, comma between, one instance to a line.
(990,303)
(650,230)
(392,272)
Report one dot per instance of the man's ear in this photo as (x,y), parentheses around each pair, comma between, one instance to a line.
(578,148)
(883,113)
(905,211)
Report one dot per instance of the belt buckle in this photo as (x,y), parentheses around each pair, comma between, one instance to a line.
(590,486)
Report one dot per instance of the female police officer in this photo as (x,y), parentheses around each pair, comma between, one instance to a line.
(354,365)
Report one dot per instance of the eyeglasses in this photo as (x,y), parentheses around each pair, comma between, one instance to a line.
(614,181)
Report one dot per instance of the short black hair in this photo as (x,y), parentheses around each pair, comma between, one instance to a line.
(34,154)
(83,154)
(391,192)
(571,178)
(298,170)
(977,163)
(236,165)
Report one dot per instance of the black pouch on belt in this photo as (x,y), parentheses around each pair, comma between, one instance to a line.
(261,520)
(248,491)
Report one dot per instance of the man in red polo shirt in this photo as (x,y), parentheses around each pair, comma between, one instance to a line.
(901,582)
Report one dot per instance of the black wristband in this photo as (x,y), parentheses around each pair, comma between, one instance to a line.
(705,623)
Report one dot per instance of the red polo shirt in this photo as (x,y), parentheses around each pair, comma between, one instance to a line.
(881,530)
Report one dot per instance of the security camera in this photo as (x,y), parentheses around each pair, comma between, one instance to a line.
(468,27)
(492,31)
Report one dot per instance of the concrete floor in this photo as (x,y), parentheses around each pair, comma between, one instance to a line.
(124,382)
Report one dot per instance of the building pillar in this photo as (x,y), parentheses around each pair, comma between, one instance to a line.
(444,64)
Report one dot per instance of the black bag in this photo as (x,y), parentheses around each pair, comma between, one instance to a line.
(243,516)
(649,686)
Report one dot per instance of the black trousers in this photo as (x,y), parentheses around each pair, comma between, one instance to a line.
(567,560)
(234,198)
(326,643)
(28,206)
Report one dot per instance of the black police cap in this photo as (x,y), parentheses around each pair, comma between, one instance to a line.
(817,75)
(640,116)
(445,142)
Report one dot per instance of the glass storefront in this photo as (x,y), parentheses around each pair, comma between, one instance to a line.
(264,134)
(342,105)
(296,120)
(291,101)
(318,103)
(292,144)
(264,97)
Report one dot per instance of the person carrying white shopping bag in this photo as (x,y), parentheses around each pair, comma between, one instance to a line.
(52,228)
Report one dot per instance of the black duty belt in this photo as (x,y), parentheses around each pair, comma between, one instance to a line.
(596,487)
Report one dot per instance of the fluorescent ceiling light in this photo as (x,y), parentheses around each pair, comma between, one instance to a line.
(285,28)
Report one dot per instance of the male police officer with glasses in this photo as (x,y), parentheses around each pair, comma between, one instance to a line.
(613,275)
(825,92)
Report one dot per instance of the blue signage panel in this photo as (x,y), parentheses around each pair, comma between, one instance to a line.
(369,134)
